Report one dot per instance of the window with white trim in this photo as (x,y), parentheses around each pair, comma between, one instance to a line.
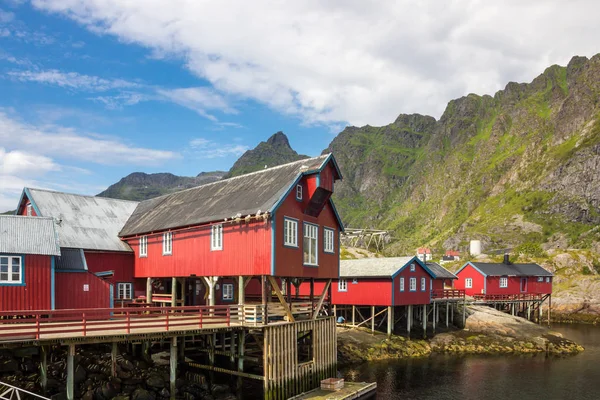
(144,246)
(310,244)
(11,270)
(548,279)
(290,232)
(402,284)
(468,283)
(412,267)
(423,284)
(342,285)
(328,240)
(228,291)
(413,284)
(540,279)
(298,192)
(124,291)
(504,282)
(167,243)
(29,210)
(216,237)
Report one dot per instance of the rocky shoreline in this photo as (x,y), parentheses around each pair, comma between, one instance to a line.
(487,332)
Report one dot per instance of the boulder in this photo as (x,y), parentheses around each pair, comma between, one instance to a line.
(10,365)
(141,394)
(155,381)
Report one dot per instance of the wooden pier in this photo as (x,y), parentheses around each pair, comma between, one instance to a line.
(351,390)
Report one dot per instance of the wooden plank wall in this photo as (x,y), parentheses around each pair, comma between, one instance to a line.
(284,375)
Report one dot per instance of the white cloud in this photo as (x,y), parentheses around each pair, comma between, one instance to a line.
(72,80)
(6,16)
(199,99)
(206,148)
(355,61)
(24,164)
(56,141)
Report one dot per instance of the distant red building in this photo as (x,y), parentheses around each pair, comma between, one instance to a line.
(504,278)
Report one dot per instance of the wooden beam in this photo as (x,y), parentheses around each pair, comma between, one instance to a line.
(71,372)
(44,368)
(321,299)
(226,371)
(173,367)
(113,360)
(285,305)
(372,318)
(148,290)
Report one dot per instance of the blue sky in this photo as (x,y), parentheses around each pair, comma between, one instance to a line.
(94,90)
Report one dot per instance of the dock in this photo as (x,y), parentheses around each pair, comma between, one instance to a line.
(351,390)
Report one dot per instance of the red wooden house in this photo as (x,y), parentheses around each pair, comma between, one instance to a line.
(503,279)
(443,279)
(28,247)
(204,244)
(88,230)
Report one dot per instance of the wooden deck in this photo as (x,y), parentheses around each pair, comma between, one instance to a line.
(351,390)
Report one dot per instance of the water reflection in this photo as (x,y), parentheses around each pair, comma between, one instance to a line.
(491,378)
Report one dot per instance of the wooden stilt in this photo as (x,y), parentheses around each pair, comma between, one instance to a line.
(335,312)
(424,318)
(372,318)
(549,308)
(241,291)
(71,372)
(390,322)
(44,368)
(241,351)
(353,315)
(434,316)
(464,313)
(173,368)
(409,319)
(113,360)
(173,292)
(148,290)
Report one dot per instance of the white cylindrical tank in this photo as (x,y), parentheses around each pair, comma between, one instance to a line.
(475,247)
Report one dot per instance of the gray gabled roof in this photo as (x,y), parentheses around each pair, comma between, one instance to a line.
(372,267)
(241,195)
(84,222)
(28,235)
(500,269)
(439,271)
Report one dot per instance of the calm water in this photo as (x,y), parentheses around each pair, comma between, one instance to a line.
(492,378)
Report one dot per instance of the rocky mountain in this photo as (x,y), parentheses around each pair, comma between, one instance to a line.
(140,186)
(521,168)
(275,151)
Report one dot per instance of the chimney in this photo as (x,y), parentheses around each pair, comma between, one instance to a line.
(506,259)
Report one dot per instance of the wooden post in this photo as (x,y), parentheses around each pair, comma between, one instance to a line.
(312,292)
(541,313)
(241,291)
(241,351)
(211,281)
(113,360)
(173,292)
(390,322)
(447,309)
(71,372)
(434,315)
(353,315)
(549,308)
(285,305)
(264,299)
(173,368)
(372,318)
(322,298)
(329,298)
(464,313)
(424,318)
(44,368)
(149,290)
(409,320)
(335,312)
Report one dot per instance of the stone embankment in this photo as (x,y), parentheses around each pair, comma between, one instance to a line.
(487,331)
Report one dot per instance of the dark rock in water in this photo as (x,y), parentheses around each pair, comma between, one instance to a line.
(80,374)
(165,394)
(52,384)
(141,394)
(121,397)
(132,381)
(126,365)
(124,374)
(108,391)
(219,389)
(155,381)
(141,364)
(10,365)
(89,395)
(59,396)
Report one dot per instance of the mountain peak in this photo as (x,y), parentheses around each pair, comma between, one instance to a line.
(279,139)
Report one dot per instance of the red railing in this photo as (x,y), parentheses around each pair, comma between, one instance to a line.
(447,294)
(47,324)
(508,297)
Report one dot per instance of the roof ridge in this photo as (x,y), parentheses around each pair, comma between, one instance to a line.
(24,216)
(239,176)
(80,195)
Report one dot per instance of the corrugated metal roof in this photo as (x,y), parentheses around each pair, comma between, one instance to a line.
(372,267)
(28,235)
(70,259)
(85,222)
(500,269)
(244,194)
(439,271)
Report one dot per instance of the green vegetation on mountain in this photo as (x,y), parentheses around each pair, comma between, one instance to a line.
(275,151)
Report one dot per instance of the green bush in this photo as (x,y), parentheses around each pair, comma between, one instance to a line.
(530,249)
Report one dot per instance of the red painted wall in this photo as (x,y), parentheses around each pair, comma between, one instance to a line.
(70,293)
(478,280)
(289,261)
(407,297)
(514,286)
(540,287)
(121,263)
(365,292)
(246,251)
(36,294)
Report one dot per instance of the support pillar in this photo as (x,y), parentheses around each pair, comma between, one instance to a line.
(409,320)
(390,322)
(264,299)
(447,309)
(335,312)
(173,292)
(434,315)
(113,360)
(353,315)
(424,318)
(173,368)
(149,290)
(241,291)
(44,368)
(464,313)
(71,372)
(549,308)
(241,351)
(372,318)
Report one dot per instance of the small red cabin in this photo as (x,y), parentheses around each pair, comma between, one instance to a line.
(28,247)
(492,279)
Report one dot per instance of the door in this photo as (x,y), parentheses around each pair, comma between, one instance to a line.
(523,285)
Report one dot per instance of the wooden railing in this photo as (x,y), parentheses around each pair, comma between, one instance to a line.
(508,297)
(297,309)
(447,294)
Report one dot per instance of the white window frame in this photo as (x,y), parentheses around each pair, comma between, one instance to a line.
(412,284)
(503,283)
(298,192)
(547,279)
(124,287)
(216,237)
(143,246)
(342,285)
(312,241)
(167,243)
(540,279)
(9,270)
(290,232)
(328,235)
(468,283)
(423,284)
(227,292)
(413,267)
(402,284)
(29,210)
